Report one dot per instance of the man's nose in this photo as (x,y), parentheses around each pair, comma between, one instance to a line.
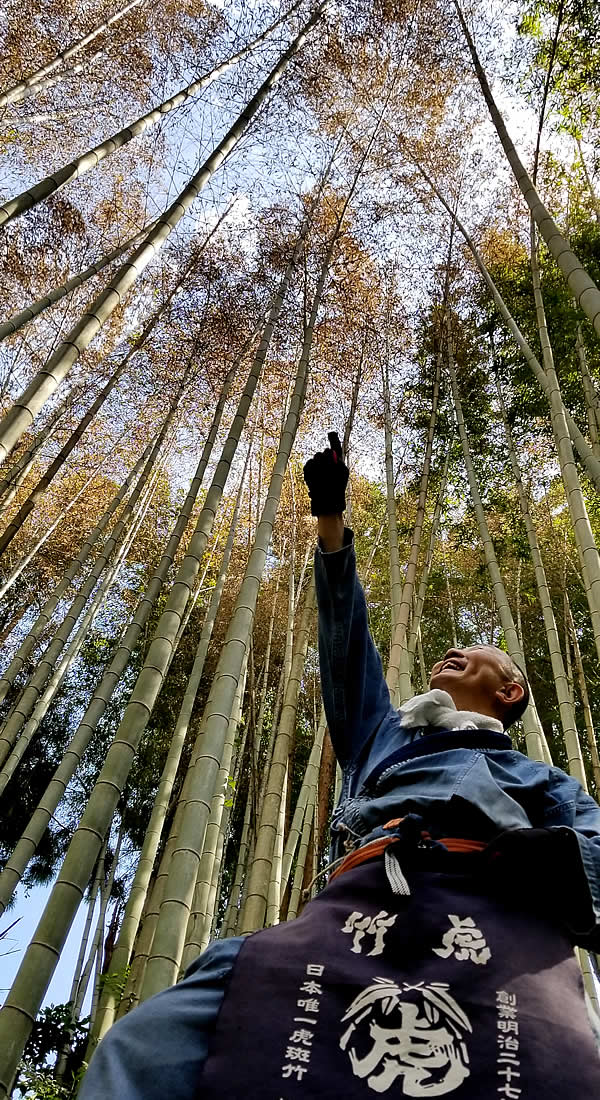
(453,653)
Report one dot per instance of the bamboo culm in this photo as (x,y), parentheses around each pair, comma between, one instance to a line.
(38,823)
(162,967)
(537,747)
(139,887)
(583,288)
(43,385)
(19,91)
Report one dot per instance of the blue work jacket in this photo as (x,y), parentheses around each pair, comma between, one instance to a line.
(467,783)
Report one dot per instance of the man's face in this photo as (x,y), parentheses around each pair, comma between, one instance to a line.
(478,678)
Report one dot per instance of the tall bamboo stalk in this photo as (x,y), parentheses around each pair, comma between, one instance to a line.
(162,967)
(537,747)
(18,419)
(195,934)
(308,827)
(561,683)
(583,288)
(25,315)
(29,643)
(260,871)
(139,887)
(589,459)
(392,520)
(45,664)
(584,537)
(19,91)
(592,405)
(585,699)
(83,163)
(415,624)
(310,780)
(74,648)
(38,823)
(398,676)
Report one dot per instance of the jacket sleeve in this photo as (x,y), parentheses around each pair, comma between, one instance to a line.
(159,1049)
(587,831)
(576,885)
(355,694)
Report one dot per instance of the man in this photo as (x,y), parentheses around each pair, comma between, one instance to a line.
(439,959)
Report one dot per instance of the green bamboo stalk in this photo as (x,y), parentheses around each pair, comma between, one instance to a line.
(194,939)
(29,643)
(563,692)
(424,580)
(582,528)
(585,699)
(589,459)
(307,828)
(19,91)
(18,419)
(591,398)
(394,553)
(537,747)
(583,288)
(398,676)
(260,871)
(162,967)
(25,315)
(139,887)
(311,778)
(27,845)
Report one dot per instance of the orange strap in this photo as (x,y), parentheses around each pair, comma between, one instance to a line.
(376,847)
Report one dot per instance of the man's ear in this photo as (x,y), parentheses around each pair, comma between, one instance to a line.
(510,693)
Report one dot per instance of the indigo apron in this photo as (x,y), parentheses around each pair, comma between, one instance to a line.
(405,983)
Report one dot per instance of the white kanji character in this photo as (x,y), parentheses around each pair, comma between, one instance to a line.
(301,1036)
(289,1070)
(315,969)
(464,941)
(507,1012)
(508,1025)
(310,1005)
(311,987)
(510,1091)
(504,998)
(376,926)
(297,1054)
(415,1033)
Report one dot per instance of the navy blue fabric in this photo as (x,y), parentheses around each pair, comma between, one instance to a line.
(390,771)
(434,1005)
(157,1051)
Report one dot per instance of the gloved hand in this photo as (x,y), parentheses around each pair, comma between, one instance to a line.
(543,867)
(326,476)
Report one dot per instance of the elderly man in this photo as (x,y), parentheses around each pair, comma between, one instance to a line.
(438,961)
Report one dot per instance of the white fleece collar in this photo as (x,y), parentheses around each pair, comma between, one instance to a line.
(437,708)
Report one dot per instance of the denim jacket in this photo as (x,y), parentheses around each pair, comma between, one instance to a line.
(469,783)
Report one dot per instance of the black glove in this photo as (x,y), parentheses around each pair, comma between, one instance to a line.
(543,867)
(326,476)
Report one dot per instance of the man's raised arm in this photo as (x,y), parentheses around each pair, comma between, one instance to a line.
(355,694)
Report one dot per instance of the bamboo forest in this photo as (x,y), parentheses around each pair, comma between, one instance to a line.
(227,230)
